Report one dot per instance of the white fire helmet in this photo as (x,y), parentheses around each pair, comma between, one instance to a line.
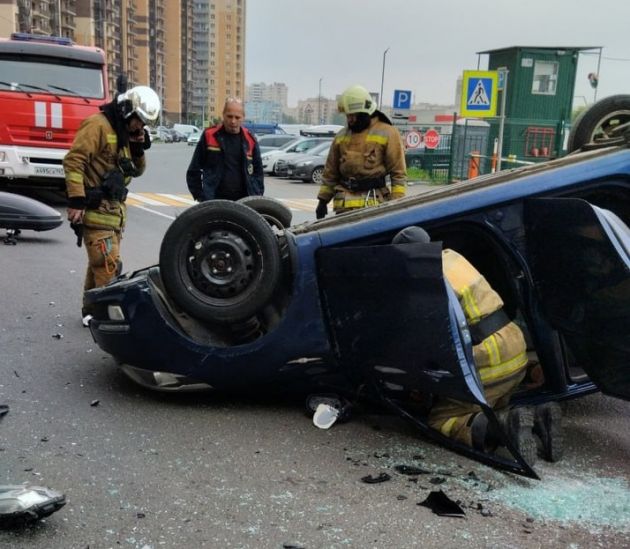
(141,101)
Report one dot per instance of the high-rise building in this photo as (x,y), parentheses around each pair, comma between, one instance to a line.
(276,93)
(265,102)
(45,17)
(191,52)
(219,55)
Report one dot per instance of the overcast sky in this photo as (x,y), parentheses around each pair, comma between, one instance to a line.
(430,42)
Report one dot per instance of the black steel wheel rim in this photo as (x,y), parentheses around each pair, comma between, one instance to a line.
(223,262)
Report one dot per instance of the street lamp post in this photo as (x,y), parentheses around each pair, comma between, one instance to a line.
(319,102)
(380,97)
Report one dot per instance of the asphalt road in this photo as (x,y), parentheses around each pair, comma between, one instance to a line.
(142,470)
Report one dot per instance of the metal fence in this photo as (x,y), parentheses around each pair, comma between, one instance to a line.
(467,148)
(450,159)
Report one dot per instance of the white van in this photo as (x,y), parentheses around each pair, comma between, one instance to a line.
(187,129)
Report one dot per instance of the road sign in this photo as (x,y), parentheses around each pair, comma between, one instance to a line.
(431,139)
(479,93)
(413,140)
(402,99)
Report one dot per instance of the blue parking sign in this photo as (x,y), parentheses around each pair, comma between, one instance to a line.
(402,99)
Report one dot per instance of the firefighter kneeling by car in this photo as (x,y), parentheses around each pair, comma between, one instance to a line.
(362,155)
(106,153)
(499,352)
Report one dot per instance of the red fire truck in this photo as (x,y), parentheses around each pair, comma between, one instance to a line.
(48,85)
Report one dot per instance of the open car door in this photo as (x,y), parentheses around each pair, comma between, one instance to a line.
(398,328)
(579,255)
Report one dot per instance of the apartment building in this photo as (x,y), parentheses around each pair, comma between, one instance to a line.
(219,55)
(46,17)
(277,92)
(317,110)
(191,52)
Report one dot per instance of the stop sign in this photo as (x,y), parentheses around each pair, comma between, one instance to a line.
(431,139)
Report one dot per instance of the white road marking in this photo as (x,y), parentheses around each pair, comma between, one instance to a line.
(155,212)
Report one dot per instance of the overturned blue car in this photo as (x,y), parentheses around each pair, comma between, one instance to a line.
(240,299)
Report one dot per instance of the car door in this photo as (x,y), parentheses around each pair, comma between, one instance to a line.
(579,257)
(398,329)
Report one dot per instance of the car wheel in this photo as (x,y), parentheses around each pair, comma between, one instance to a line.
(602,123)
(220,261)
(274,211)
(316,176)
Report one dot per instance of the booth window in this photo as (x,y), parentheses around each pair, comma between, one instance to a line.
(545,78)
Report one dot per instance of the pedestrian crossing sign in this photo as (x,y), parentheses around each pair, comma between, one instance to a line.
(479,93)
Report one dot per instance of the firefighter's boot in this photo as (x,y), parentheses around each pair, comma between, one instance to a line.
(548,431)
(518,424)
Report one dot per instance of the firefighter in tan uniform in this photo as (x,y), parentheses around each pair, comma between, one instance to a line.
(106,153)
(499,353)
(360,158)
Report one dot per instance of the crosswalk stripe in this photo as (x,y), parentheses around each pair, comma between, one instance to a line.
(168,199)
(142,198)
(184,200)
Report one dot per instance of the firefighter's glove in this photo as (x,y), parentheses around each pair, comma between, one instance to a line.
(78,230)
(322,210)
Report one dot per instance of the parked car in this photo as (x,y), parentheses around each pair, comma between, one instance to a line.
(164,134)
(177,135)
(193,139)
(261,129)
(301,145)
(271,142)
(234,304)
(186,129)
(309,167)
(326,130)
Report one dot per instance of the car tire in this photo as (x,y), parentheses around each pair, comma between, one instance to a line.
(596,124)
(317,176)
(220,262)
(274,211)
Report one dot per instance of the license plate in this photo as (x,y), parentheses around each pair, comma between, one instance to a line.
(50,171)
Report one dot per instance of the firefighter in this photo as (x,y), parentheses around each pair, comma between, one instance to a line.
(499,353)
(361,157)
(107,151)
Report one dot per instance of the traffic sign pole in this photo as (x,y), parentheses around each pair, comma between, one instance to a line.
(502,121)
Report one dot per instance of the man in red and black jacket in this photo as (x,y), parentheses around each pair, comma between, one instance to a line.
(226,163)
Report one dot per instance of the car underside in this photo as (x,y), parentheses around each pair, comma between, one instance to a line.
(241,300)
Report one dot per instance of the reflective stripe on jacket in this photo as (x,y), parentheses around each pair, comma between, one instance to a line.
(501,355)
(375,152)
(94,152)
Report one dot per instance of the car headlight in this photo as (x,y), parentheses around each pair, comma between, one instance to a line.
(307,163)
